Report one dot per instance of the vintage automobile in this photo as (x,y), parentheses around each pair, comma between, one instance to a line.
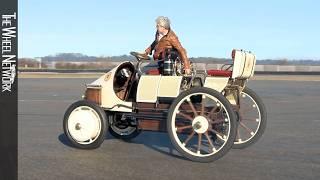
(205,113)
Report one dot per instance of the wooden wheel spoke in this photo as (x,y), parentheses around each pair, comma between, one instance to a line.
(189,137)
(209,140)
(212,111)
(192,108)
(242,103)
(219,135)
(202,105)
(217,121)
(246,128)
(245,107)
(199,143)
(185,116)
(213,116)
(184,127)
(243,110)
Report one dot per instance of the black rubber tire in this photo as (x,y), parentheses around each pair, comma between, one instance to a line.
(126,137)
(232,123)
(263,122)
(104,124)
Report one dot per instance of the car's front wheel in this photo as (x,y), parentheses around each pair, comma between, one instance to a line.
(85,124)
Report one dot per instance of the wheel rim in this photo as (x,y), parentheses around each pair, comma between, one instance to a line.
(204,129)
(84,125)
(249,119)
(123,131)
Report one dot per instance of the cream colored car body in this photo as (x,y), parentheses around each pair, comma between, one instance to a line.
(151,87)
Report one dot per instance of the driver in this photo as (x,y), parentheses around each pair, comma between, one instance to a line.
(165,39)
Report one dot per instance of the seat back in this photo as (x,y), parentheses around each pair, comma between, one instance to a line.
(243,65)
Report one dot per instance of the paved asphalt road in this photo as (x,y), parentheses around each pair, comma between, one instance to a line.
(289,149)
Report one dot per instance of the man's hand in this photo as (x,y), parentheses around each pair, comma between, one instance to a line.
(148,51)
(187,71)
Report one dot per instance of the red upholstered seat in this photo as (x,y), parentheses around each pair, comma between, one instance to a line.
(216,72)
(154,71)
(222,73)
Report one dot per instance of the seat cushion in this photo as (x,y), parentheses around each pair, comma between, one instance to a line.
(154,71)
(216,72)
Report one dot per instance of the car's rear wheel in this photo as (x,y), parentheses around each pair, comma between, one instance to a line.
(252,119)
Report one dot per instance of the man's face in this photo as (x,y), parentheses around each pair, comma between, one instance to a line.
(160,29)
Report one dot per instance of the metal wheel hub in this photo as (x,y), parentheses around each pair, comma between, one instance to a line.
(200,124)
(78,126)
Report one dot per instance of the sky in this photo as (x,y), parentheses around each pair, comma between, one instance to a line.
(271,29)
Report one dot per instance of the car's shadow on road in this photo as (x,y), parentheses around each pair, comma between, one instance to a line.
(157,141)
(64,140)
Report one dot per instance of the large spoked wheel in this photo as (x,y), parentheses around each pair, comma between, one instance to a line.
(201,124)
(252,119)
(123,128)
(85,124)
